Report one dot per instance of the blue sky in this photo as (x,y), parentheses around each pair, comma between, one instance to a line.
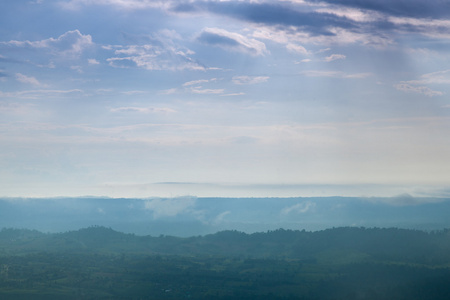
(145,98)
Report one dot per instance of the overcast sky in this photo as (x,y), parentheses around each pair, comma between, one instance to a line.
(139,98)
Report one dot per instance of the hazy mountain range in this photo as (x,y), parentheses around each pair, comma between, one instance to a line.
(189,216)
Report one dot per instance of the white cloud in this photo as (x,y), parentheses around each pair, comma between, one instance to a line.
(93,61)
(306,60)
(79,69)
(352,14)
(232,41)
(168,91)
(72,43)
(440,77)
(419,85)
(405,87)
(143,109)
(233,94)
(37,94)
(154,57)
(195,82)
(170,207)
(200,90)
(249,79)
(296,48)
(334,57)
(340,36)
(219,219)
(27,79)
(436,28)
(335,74)
(302,208)
(323,50)
(123,4)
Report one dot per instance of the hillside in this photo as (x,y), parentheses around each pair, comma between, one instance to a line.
(338,263)
(403,245)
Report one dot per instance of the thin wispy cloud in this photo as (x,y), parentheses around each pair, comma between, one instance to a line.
(296,48)
(195,82)
(170,207)
(145,110)
(333,57)
(335,74)
(93,61)
(299,208)
(243,80)
(130,4)
(70,44)
(153,57)
(419,86)
(27,79)
(409,88)
(231,41)
(252,91)
(41,93)
(201,90)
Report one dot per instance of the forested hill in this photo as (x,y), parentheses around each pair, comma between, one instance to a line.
(337,244)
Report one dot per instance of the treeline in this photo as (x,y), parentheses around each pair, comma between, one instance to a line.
(339,263)
(342,244)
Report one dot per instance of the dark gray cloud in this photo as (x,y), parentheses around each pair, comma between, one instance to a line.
(272,14)
(404,8)
(319,22)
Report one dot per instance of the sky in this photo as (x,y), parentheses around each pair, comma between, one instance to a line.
(144,98)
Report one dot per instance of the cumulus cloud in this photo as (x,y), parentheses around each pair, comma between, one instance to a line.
(68,45)
(241,80)
(299,208)
(232,41)
(171,207)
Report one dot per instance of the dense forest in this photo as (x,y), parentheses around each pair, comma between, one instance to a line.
(339,263)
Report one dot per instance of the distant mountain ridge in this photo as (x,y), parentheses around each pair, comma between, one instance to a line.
(190,216)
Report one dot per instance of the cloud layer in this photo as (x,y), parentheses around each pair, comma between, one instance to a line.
(111,97)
